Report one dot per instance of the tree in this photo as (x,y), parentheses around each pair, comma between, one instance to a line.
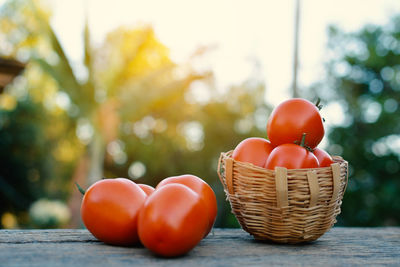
(135,114)
(364,79)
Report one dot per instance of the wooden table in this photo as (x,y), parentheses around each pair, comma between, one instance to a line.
(226,247)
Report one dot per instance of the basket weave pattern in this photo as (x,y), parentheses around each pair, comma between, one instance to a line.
(286,206)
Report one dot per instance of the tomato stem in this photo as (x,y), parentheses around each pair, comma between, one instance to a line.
(303,143)
(303,140)
(317,104)
(80,189)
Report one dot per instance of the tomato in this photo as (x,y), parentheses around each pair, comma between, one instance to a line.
(146,188)
(110,209)
(293,117)
(200,187)
(291,156)
(253,150)
(173,220)
(324,159)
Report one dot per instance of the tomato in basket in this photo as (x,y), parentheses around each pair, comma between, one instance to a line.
(292,156)
(293,117)
(324,159)
(253,150)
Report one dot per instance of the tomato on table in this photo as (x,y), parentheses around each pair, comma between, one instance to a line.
(199,186)
(293,117)
(173,220)
(147,189)
(110,210)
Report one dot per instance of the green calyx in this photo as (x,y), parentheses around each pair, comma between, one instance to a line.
(318,104)
(80,189)
(303,140)
(302,143)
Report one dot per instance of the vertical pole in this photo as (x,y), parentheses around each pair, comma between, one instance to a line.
(295,92)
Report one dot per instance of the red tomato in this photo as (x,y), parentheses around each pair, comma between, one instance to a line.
(324,159)
(253,150)
(291,156)
(293,117)
(200,187)
(173,220)
(146,188)
(110,209)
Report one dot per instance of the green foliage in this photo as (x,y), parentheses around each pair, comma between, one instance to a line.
(24,160)
(136,106)
(364,78)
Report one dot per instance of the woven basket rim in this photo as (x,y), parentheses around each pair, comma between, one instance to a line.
(228,154)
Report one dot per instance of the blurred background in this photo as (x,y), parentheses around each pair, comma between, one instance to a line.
(151,89)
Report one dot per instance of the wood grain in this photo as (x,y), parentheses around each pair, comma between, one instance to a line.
(226,247)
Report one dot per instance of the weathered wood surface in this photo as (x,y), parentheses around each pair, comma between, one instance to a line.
(226,247)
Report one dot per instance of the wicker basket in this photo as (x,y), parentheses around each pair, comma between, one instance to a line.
(285,206)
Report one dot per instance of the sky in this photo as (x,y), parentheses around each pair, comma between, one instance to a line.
(240,32)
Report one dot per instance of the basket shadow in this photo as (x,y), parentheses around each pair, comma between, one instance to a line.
(300,244)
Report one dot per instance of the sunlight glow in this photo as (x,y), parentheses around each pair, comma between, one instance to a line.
(261,29)
(136,170)
(84,131)
(116,150)
(194,134)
